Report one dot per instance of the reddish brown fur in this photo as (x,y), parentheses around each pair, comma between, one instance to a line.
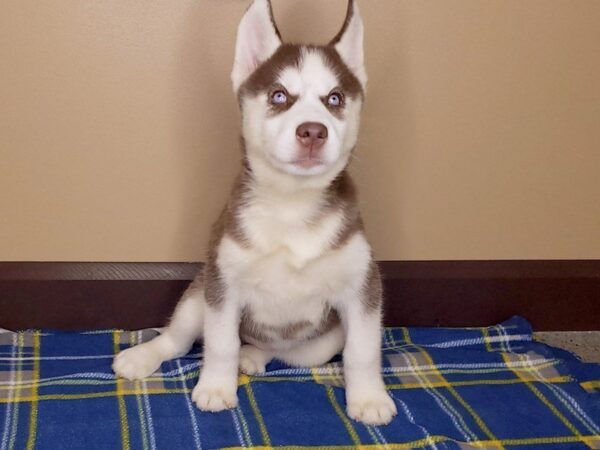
(341,196)
(264,79)
(372,297)
(228,224)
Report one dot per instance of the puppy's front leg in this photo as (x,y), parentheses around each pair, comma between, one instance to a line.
(366,397)
(217,388)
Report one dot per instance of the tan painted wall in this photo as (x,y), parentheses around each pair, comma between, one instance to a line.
(481,133)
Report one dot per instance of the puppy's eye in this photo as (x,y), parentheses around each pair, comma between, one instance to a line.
(335,99)
(279,98)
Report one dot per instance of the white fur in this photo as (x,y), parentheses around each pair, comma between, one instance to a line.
(278,293)
(257,41)
(288,274)
(217,387)
(366,397)
(287,271)
(254,359)
(351,47)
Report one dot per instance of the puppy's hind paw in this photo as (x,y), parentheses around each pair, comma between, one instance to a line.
(136,363)
(253,360)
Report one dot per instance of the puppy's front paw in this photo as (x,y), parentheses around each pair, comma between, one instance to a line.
(214,398)
(372,406)
(137,362)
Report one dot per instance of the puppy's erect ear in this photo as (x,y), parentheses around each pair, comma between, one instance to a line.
(257,39)
(349,42)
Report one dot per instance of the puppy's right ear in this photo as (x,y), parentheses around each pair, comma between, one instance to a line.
(257,39)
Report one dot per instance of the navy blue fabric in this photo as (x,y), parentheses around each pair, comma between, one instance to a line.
(454,389)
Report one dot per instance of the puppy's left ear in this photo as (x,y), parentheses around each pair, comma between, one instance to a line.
(349,43)
(257,39)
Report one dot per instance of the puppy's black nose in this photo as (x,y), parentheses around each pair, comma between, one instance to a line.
(312,134)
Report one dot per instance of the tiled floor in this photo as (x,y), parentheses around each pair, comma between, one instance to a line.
(586,344)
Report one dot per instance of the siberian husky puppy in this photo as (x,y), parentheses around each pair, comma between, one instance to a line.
(289,273)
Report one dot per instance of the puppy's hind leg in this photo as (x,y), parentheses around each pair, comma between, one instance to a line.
(253,359)
(316,351)
(176,340)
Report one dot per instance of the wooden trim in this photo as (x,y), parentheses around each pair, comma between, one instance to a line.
(553,295)
(503,269)
(97,271)
(111,271)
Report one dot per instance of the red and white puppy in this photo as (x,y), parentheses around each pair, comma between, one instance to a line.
(289,271)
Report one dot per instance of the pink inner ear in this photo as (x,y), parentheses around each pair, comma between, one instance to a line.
(256,52)
(253,55)
(253,63)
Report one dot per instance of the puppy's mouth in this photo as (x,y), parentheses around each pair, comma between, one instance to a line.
(308,163)
(305,165)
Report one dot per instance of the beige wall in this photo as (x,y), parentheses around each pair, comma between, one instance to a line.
(480,139)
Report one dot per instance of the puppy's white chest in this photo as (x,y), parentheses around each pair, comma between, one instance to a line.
(292,283)
(288,231)
(287,272)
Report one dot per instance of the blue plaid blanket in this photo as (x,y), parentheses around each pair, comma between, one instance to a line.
(476,388)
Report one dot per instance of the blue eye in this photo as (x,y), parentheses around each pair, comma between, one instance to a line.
(334,99)
(279,98)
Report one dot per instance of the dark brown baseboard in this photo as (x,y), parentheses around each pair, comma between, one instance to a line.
(553,295)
